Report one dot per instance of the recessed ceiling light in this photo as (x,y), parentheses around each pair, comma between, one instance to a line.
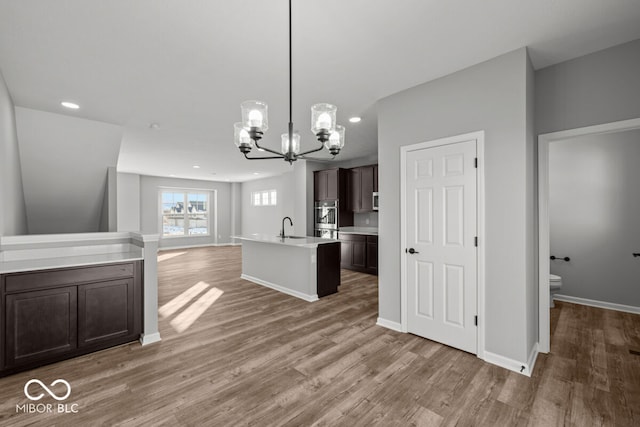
(71,105)
(355,119)
(196,167)
(154,126)
(172,175)
(256,173)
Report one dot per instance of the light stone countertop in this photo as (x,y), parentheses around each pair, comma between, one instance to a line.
(303,242)
(67,261)
(370,231)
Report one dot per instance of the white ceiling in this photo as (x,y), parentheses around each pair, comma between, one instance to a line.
(187,65)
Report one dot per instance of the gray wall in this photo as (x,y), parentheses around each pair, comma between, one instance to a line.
(236,208)
(64,163)
(128,202)
(150,209)
(531,212)
(13,216)
(268,219)
(491,96)
(598,88)
(594,207)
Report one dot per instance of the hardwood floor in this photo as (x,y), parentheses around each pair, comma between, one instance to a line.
(258,357)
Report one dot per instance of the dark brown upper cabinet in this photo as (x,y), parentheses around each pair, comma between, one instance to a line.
(363,181)
(375,178)
(329,184)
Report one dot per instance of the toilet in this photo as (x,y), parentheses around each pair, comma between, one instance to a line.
(555,283)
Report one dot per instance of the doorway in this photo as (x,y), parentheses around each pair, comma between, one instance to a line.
(442,207)
(544,254)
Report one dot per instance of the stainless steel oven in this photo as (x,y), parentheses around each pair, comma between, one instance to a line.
(326,215)
(327,233)
(375,201)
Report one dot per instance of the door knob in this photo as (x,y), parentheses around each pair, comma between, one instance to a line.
(636,255)
(411,251)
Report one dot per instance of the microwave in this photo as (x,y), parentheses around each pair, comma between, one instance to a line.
(375,201)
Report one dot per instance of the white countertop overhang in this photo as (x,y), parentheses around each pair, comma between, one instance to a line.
(299,241)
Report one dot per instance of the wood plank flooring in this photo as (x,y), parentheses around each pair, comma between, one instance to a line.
(258,357)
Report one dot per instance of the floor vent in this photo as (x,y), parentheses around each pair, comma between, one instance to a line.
(634,352)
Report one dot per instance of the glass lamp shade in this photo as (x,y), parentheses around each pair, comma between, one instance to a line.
(241,136)
(295,147)
(323,118)
(336,139)
(254,115)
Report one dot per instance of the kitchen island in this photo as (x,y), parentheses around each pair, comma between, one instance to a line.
(304,267)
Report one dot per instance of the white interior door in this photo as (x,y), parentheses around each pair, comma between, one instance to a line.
(441,257)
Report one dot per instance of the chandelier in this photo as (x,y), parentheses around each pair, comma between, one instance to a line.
(254,123)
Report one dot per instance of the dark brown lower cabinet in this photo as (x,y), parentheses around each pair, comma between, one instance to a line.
(372,254)
(57,314)
(40,325)
(105,311)
(359,253)
(328,268)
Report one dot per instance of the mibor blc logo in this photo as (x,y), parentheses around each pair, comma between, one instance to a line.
(34,393)
(47,389)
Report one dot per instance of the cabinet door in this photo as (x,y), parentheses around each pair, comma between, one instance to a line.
(375,178)
(354,190)
(319,186)
(346,250)
(372,254)
(332,184)
(40,325)
(359,255)
(366,189)
(105,311)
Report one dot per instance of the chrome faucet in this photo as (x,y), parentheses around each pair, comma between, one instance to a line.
(290,222)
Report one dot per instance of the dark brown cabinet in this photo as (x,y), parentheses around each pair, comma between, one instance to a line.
(329,184)
(353,201)
(375,178)
(359,252)
(372,254)
(40,325)
(105,311)
(363,181)
(328,268)
(56,314)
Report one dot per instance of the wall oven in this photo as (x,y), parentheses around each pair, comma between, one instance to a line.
(327,233)
(326,219)
(375,201)
(326,214)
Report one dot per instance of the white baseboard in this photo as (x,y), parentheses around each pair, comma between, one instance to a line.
(308,298)
(599,304)
(510,364)
(395,326)
(150,338)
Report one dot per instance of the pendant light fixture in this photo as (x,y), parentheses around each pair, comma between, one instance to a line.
(254,123)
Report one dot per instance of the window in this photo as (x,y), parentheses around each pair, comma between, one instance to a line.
(185,213)
(264,198)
